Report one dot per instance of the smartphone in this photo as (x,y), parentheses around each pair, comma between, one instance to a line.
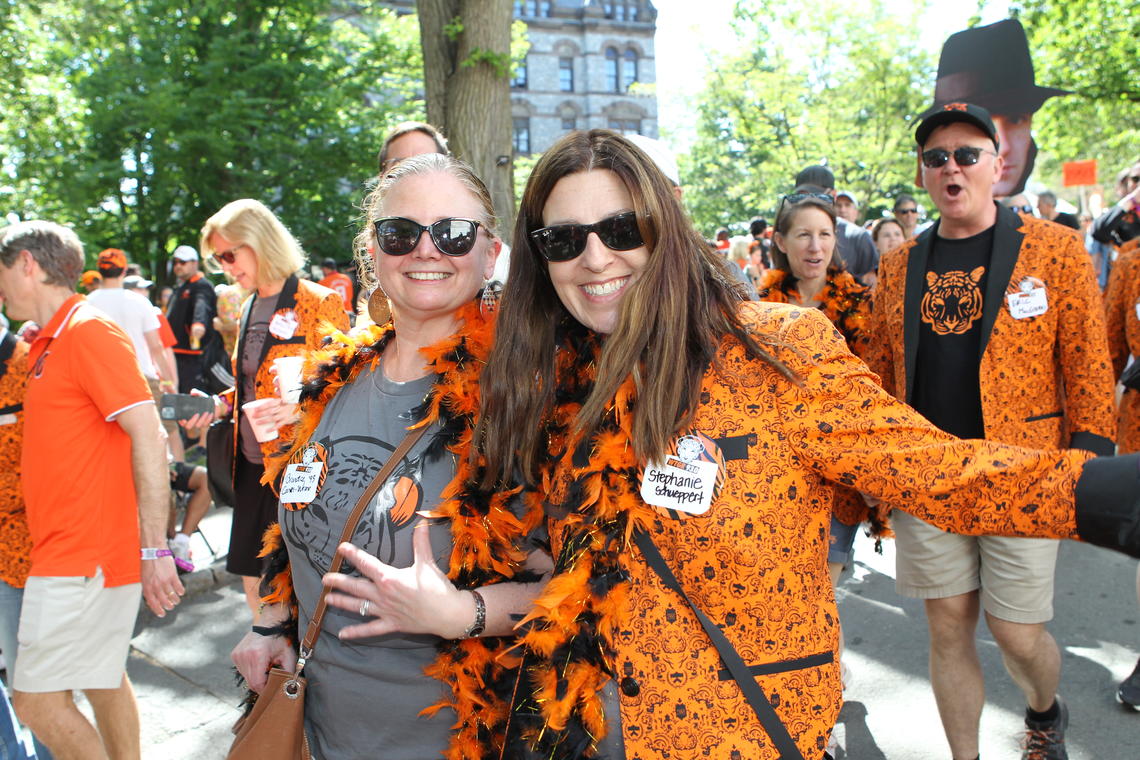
(183,406)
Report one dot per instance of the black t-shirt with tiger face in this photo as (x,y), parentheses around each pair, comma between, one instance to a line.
(946,388)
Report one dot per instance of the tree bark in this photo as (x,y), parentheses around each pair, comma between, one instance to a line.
(467,89)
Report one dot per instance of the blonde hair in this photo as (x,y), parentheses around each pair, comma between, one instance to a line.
(427,163)
(250,222)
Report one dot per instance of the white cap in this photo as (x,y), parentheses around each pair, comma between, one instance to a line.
(848,195)
(135,282)
(661,156)
(185,253)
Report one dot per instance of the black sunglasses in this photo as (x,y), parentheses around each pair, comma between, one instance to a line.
(797,197)
(967,155)
(1026,209)
(906,211)
(398,236)
(565,242)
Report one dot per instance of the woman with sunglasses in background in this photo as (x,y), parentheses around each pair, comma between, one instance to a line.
(660,425)
(284,316)
(430,244)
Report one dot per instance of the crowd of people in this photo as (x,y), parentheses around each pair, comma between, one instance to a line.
(623,483)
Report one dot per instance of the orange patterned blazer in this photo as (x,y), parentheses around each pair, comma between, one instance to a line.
(756,561)
(15,543)
(1046,381)
(317,309)
(1122,317)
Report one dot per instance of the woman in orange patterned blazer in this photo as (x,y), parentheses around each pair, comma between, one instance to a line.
(1122,310)
(673,419)
(284,316)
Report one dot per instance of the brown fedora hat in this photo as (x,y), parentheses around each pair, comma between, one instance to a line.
(989,66)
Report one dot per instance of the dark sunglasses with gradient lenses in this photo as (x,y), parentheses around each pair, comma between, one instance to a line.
(398,236)
(564,242)
(226,257)
(797,197)
(967,155)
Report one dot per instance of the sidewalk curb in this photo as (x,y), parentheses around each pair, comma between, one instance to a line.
(207,579)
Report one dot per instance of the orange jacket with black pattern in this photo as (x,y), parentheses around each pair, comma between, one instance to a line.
(847,304)
(1122,318)
(315,310)
(1046,380)
(755,561)
(15,543)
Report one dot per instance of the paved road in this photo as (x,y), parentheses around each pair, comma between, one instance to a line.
(188,697)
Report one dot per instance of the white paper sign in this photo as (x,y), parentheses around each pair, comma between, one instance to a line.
(300,483)
(283,325)
(679,485)
(1027,303)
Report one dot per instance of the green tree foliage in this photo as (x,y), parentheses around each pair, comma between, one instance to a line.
(827,86)
(1092,48)
(135,120)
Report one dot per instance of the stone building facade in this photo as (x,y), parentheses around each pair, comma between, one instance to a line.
(591,64)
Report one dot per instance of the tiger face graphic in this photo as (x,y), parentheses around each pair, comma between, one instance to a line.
(952,301)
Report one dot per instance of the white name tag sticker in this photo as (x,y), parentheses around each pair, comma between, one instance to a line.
(1027,303)
(7,419)
(284,324)
(1138,310)
(300,483)
(678,485)
(303,479)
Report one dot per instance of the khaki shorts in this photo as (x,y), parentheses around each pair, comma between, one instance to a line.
(1015,575)
(74,633)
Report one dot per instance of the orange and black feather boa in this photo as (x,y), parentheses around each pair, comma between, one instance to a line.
(486,533)
(566,646)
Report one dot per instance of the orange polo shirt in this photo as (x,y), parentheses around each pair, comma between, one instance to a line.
(77,479)
(342,284)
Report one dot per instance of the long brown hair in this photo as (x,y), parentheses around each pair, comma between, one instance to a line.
(670,325)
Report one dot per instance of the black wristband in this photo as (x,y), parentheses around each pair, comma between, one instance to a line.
(269,630)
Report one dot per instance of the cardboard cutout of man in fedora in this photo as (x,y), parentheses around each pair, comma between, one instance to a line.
(990,66)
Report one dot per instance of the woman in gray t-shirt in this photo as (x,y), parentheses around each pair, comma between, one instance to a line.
(431,244)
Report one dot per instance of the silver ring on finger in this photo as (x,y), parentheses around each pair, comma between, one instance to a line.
(364,605)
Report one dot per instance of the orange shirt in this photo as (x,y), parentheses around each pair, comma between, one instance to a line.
(77,478)
(342,284)
(165,334)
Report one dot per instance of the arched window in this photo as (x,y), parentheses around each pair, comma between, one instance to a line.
(628,69)
(619,11)
(613,84)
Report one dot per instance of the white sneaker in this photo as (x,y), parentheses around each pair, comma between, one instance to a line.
(180,545)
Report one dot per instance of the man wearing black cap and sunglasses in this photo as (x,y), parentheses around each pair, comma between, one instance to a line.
(989,323)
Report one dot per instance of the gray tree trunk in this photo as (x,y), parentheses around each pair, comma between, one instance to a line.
(466,45)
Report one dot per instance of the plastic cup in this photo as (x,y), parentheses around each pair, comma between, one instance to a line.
(289,377)
(263,431)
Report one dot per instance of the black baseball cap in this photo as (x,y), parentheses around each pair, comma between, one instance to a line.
(817,175)
(956,112)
